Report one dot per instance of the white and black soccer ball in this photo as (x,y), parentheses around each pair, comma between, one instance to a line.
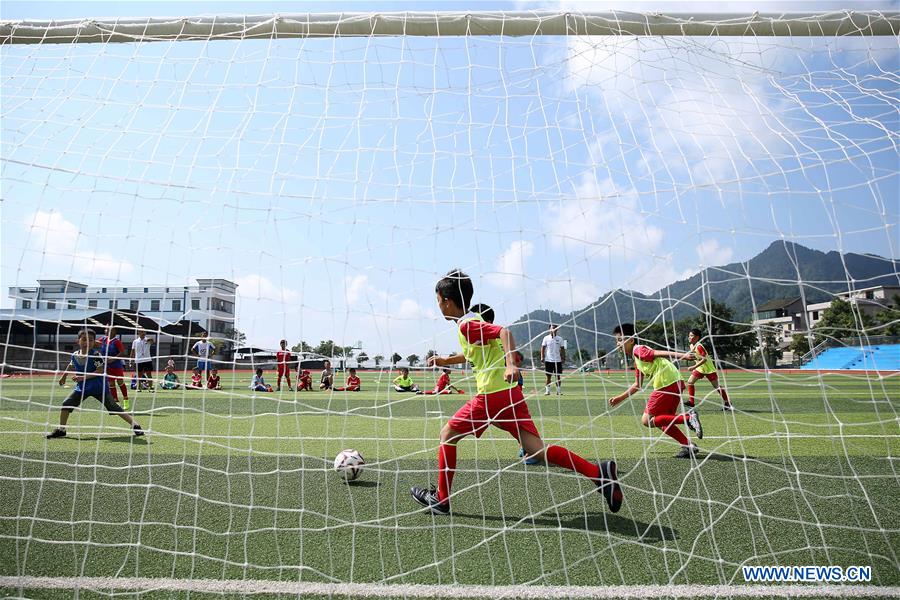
(348,464)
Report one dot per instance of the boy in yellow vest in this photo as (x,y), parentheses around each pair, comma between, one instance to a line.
(667,385)
(704,367)
(499,401)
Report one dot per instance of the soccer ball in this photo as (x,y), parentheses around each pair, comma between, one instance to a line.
(348,464)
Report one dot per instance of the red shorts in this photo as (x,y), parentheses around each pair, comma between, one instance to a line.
(665,401)
(114,373)
(711,376)
(283,370)
(506,409)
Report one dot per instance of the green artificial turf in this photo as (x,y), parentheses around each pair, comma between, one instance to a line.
(232,484)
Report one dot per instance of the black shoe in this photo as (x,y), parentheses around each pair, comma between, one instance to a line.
(56,433)
(608,485)
(693,423)
(687,452)
(428,499)
(138,432)
(727,407)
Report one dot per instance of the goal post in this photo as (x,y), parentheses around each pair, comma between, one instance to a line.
(473,23)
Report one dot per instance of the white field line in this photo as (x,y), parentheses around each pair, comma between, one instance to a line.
(377,590)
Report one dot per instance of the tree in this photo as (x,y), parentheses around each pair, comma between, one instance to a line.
(584,354)
(412,359)
(361,358)
(799,344)
(346,351)
(728,339)
(238,338)
(395,358)
(769,351)
(887,321)
(429,354)
(378,360)
(301,346)
(840,320)
(536,357)
(325,348)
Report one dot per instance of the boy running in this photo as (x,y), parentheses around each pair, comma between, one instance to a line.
(667,385)
(499,401)
(87,365)
(704,367)
(283,357)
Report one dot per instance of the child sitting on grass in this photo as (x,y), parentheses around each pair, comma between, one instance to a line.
(404,383)
(170,380)
(259,384)
(196,380)
(353,383)
(213,381)
(443,385)
(304,381)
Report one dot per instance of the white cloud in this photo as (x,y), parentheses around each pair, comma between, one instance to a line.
(355,287)
(511,271)
(256,287)
(564,295)
(63,247)
(711,253)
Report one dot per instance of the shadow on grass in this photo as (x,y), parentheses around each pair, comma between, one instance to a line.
(724,457)
(601,521)
(364,483)
(119,439)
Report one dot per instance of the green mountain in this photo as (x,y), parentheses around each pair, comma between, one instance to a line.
(783,270)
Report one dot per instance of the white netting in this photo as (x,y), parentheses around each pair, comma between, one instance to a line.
(335,178)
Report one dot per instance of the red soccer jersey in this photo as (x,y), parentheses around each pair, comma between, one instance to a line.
(479,332)
(212,382)
(443,381)
(353,381)
(283,357)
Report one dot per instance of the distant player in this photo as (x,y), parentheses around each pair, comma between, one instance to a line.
(404,383)
(113,349)
(667,384)
(259,383)
(202,350)
(284,358)
(170,380)
(87,366)
(304,381)
(704,367)
(143,360)
(196,380)
(326,379)
(499,401)
(214,382)
(553,355)
(353,383)
(443,385)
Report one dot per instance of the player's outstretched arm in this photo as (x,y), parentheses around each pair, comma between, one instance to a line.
(65,373)
(509,350)
(632,390)
(439,361)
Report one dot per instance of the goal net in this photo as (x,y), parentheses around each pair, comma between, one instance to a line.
(733,174)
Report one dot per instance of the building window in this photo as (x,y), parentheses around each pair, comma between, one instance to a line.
(26,303)
(154,305)
(112,304)
(71,305)
(124,290)
(92,304)
(51,305)
(870,295)
(134,305)
(146,290)
(176,305)
(815,315)
(102,290)
(195,304)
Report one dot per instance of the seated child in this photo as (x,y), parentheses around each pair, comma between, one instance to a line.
(170,363)
(353,383)
(404,383)
(196,380)
(170,380)
(304,381)
(259,384)
(443,385)
(212,382)
(326,381)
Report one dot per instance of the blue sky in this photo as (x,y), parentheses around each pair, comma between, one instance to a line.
(336,191)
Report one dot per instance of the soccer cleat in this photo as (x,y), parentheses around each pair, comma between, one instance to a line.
(693,423)
(531,460)
(138,432)
(687,452)
(428,499)
(608,485)
(727,408)
(547,391)
(56,433)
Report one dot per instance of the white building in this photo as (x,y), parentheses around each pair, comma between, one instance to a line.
(211,302)
(868,301)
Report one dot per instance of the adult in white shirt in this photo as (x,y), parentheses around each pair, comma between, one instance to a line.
(143,360)
(553,354)
(202,350)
